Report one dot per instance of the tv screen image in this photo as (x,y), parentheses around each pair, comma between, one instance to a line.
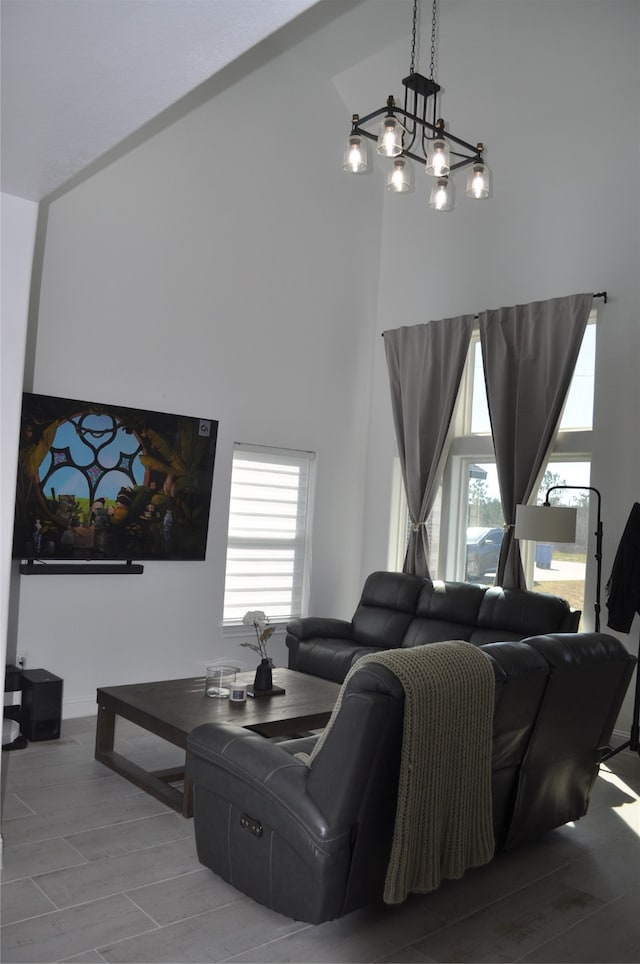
(106,482)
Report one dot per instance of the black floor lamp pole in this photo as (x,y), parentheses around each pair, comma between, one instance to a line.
(598,534)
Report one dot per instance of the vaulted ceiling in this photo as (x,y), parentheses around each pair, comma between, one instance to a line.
(80,76)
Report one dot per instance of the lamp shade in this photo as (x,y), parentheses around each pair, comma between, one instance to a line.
(390,136)
(356,155)
(478,183)
(441,198)
(546,523)
(438,162)
(400,177)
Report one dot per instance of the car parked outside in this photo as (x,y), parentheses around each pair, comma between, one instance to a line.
(483,550)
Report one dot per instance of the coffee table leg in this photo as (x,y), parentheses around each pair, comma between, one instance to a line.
(105,731)
(158,783)
(187,797)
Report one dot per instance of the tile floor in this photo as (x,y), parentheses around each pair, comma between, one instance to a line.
(97,871)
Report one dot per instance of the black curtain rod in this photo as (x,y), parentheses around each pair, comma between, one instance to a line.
(598,294)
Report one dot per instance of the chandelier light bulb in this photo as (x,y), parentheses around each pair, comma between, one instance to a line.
(478,182)
(400,177)
(355,156)
(356,159)
(389,137)
(438,162)
(441,195)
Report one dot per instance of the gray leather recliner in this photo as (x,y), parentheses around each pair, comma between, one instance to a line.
(313,842)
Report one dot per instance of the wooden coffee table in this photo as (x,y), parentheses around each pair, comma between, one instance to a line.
(171,708)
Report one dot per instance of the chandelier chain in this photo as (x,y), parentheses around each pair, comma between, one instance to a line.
(434,23)
(413,37)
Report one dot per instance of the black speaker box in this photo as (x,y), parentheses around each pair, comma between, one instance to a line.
(41,705)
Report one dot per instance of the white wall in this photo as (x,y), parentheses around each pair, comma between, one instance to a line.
(18,220)
(194,278)
(18,224)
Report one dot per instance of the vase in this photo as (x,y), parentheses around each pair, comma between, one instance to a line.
(263,680)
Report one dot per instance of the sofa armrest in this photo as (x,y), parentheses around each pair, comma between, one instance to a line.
(309,627)
(321,647)
(257,827)
(263,777)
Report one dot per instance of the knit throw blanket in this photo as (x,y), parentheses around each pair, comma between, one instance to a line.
(443,818)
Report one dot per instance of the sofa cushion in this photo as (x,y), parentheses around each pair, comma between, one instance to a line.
(521,677)
(515,614)
(386,608)
(454,602)
(422,631)
(445,610)
(392,590)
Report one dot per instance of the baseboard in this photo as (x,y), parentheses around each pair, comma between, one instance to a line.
(74,708)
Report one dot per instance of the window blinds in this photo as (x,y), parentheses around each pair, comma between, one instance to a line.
(268,534)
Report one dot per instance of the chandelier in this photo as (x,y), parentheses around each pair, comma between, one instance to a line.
(404,134)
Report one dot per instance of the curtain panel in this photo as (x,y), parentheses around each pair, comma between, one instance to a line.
(529,354)
(425,364)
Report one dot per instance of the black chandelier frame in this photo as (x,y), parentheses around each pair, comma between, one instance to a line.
(423,88)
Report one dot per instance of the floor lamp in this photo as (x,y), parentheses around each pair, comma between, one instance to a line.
(547,523)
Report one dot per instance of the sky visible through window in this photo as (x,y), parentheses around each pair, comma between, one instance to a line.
(577,415)
(578,410)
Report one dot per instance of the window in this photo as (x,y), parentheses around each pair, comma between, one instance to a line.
(269,529)
(468,511)
(561,568)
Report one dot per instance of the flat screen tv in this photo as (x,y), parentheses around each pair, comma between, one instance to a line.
(104,483)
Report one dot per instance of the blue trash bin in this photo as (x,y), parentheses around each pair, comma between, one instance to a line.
(544,555)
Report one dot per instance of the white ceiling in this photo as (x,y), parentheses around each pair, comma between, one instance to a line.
(80,76)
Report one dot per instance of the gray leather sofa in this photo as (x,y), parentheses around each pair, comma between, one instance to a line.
(397,609)
(313,842)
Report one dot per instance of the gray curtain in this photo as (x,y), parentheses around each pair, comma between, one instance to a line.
(529,353)
(425,365)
